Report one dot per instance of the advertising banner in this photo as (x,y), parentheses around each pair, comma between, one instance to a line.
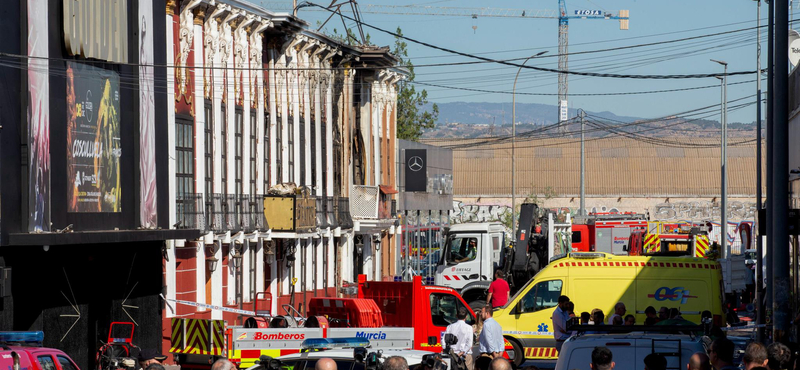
(416,169)
(93,142)
(147,138)
(38,118)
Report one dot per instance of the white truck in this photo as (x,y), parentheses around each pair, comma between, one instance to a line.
(473,251)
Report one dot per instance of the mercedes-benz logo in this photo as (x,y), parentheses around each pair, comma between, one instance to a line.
(415,163)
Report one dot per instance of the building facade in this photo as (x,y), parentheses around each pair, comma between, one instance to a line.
(281,149)
(83,197)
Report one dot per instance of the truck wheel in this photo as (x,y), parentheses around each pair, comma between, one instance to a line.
(477,305)
(518,353)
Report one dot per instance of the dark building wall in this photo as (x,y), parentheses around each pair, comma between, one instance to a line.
(95,279)
(11,112)
(13,148)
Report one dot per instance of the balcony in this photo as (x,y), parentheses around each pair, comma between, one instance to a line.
(251,209)
(223,213)
(322,218)
(342,213)
(293,213)
(189,212)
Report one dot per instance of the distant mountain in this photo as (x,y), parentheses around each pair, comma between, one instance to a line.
(527,113)
(473,120)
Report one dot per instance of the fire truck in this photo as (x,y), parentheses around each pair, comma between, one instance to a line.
(391,314)
(670,239)
(606,232)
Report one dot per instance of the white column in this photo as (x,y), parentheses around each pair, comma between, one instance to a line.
(246,261)
(171,119)
(295,93)
(318,125)
(273,280)
(199,120)
(310,268)
(319,249)
(307,82)
(329,127)
(273,113)
(230,112)
(200,275)
(258,77)
(169,273)
(217,109)
(331,258)
(231,298)
(246,107)
(260,266)
(216,283)
(366,128)
(377,97)
(283,86)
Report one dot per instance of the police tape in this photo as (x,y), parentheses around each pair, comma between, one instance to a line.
(209,306)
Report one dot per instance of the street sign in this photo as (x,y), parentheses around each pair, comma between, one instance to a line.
(563,111)
(589,12)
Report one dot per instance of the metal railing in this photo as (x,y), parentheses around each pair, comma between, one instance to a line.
(251,212)
(322,219)
(330,212)
(189,211)
(343,218)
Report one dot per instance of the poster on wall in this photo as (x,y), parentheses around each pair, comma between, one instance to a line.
(38,118)
(93,142)
(147,138)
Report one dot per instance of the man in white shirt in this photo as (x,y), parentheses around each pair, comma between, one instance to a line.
(619,310)
(464,333)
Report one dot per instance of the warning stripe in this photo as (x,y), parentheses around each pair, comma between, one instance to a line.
(177,336)
(701,246)
(687,265)
(541,353)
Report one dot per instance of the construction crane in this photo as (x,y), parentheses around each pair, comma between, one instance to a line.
(561,14)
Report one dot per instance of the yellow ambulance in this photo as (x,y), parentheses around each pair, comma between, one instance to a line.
(600,280)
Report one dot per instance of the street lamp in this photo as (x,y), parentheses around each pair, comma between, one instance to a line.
(725,248)
(513,143)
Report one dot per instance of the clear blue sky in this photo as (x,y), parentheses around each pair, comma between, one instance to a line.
(650,22)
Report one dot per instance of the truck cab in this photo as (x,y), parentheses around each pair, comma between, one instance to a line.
(471,254)
(607,233)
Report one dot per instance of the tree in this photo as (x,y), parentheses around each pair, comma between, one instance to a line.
(412,118)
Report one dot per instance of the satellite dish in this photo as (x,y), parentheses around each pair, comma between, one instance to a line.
(794,47)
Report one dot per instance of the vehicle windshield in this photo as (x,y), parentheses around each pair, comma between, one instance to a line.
(461,248)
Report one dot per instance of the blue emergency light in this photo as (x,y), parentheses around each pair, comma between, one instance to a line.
(429,280)
(23,337)
(333,343)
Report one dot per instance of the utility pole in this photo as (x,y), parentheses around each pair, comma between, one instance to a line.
(780,207)
(582,212)
(513,143)
(770,141)
(760,239)
(725,248)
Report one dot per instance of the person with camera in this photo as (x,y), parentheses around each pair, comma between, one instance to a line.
(464,334)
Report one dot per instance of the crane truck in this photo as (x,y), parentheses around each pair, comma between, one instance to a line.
(473,251)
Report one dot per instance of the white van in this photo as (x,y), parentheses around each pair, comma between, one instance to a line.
(630,349)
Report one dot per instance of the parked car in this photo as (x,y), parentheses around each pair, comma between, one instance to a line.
(23,350)
(630,349)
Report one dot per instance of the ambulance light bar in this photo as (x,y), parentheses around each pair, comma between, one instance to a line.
(24,337)
(587,255)
(333,343)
